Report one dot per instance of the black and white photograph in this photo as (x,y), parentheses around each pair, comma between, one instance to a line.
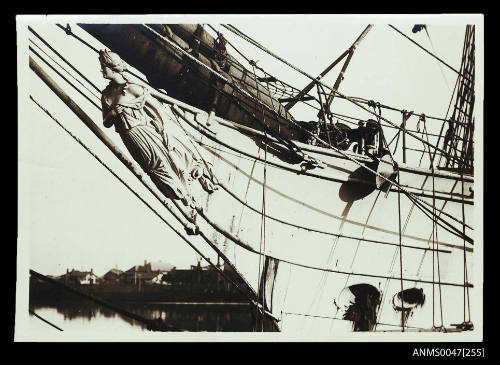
(250,178)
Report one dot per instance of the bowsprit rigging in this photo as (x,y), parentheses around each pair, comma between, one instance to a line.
(188,226)
(324,192)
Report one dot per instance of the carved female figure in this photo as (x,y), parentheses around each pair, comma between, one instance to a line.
(155,142)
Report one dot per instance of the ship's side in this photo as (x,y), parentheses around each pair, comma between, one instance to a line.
(325,231)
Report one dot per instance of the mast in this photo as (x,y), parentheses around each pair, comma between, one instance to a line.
(458,140)
(349,52)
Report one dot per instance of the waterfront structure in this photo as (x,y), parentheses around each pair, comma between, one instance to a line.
(75,277)
(149,273)
(112,276)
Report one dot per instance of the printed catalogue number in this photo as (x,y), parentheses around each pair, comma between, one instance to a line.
(448,352)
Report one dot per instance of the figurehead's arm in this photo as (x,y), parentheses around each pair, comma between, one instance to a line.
(108,113)
(108,119)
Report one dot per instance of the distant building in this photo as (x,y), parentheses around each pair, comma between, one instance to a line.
(206,277)
(161,279)
(76,277)
(160,266)
(149,273)
(112,276)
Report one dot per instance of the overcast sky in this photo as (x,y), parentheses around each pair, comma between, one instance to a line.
(74,214)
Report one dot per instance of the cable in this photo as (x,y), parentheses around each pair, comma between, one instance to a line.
(409,194)
(146,203)
(62,67)
(44,320)
(64,59)
(89,123)
(237,88)
(436,57)
(236,31)
(277,258)
(80,91)
(401,261)
(266,106)
(64,78)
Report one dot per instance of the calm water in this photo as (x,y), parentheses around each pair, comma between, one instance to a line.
(83,316)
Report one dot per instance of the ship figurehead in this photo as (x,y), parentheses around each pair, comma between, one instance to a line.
(162,149)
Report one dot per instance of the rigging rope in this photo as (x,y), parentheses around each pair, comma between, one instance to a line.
(383,106)
(342,319)
(465,263)
(343,116)
(393,260)
(44,320)
(410,195)
(64,59)
(266,74)
(433,55)
(64,78)
(150,207)
(401,261)
(263,232)
(340,235)
(336,92)
(236,241)
(260,275)
(433,233)
(62,67)
(248,247)
(68,31)
(398,185)
(73,86)
(441,327)
(266,106)
(439,64)
(243,92)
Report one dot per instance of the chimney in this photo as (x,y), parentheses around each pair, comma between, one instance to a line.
(91,270)
(145,262)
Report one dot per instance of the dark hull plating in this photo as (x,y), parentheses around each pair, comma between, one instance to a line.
(169,69)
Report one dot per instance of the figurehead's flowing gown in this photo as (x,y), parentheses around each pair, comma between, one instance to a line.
(158,144)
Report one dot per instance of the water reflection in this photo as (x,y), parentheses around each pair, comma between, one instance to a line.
(186,316)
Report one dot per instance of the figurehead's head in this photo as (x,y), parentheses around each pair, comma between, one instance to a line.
(111,60)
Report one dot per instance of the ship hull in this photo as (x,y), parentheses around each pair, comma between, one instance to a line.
(322,248)
(317,235)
